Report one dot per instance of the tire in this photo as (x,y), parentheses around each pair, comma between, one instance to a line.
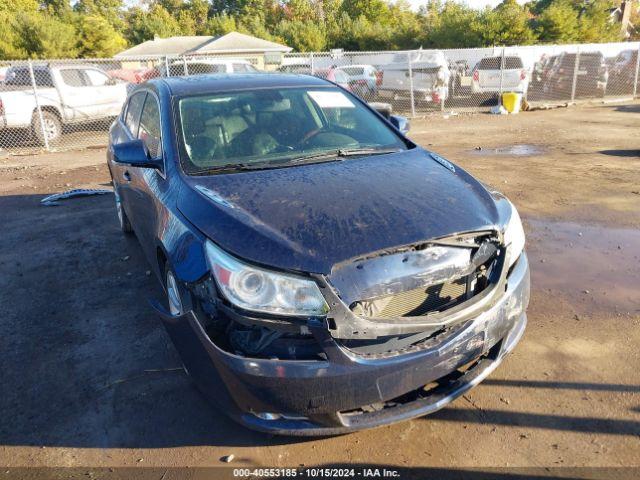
(52,125)
(123,220)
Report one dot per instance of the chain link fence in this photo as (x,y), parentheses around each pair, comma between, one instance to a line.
(66,104)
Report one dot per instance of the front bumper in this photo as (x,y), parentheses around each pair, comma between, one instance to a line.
(319,397)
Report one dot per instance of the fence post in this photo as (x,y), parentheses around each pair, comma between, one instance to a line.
(635,78)
(166,65)
(311,64)
(184,62)
(501,77)
(576,67)
(35,96)
(413,103)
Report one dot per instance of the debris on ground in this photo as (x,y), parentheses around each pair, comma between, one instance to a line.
(228,458)
(52,200)
(498,110)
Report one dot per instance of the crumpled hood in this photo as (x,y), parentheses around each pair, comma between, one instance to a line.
(311,217)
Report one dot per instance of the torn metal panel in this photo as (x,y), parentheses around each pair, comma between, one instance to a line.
(52,200)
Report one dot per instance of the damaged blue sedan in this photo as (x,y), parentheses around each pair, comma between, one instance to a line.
(323,273)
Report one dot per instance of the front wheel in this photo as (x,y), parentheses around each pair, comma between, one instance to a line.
(50,127)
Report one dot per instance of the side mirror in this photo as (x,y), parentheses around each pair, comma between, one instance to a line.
(383,109)
(401,123)
(134,153)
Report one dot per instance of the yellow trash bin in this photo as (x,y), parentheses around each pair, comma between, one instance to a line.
(511,101)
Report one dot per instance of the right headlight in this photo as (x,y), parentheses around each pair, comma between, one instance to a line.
(260,290)
(514,236)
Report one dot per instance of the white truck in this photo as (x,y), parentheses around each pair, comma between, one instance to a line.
(67,95)
(429,77)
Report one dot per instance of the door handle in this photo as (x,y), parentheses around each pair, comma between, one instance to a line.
(127,175)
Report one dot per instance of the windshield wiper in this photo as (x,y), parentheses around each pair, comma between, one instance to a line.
(349,152)
(341,153)
(279,163)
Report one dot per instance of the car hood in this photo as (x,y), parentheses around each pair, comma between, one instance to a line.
(310,217)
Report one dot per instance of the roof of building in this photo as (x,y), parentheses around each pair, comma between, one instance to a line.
(232,42)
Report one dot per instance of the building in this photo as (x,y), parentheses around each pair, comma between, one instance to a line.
(233,44)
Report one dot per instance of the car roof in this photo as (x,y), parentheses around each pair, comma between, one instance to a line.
(221,82)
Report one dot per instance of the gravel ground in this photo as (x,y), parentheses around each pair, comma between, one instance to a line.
(90,379)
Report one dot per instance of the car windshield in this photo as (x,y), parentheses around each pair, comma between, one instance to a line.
(270,128)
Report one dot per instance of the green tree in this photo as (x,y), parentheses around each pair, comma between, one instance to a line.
(558,23)
(507,24)
(373,10)
(41,35)
(110,10)
(98,38)
(455,26)
(145,25)
(595,25)
(303,36)
(221,24)
(10,48)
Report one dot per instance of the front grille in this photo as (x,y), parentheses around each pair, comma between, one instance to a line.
(416,302)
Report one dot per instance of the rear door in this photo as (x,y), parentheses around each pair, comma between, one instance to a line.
(76,95)
(108,93)
(122,174)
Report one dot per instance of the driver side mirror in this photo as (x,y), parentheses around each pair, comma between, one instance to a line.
(401,123)
(135,154)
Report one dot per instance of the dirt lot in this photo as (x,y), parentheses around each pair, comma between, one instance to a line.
(89,377)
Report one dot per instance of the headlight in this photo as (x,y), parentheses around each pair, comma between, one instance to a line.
(514,236)
(259,290)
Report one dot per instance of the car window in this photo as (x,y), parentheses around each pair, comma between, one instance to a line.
(341,77)
(243,67)
(353,70)
(513,63)
(22,77)
(275,125)
(73,77)
(149,131)
(134,108)
(97,78)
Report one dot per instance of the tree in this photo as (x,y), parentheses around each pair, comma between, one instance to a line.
(98,38)
(40,35)
(507,24)
(558,23)
(145,25)
(456,26)
(303,36)
(9,40)
(595,25)
(110,10)
(373,10)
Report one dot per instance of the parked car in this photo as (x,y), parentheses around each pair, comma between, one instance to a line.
(322,272)
(201,67)
(429,78)
(459,79)
(491,75)
(622,72)
(300,68)
(363,79)
(591,76)
(67,95)
(334,75)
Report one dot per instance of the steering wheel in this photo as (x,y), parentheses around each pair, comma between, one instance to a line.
(310,134)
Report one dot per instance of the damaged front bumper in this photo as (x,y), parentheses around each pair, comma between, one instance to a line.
(348,392)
